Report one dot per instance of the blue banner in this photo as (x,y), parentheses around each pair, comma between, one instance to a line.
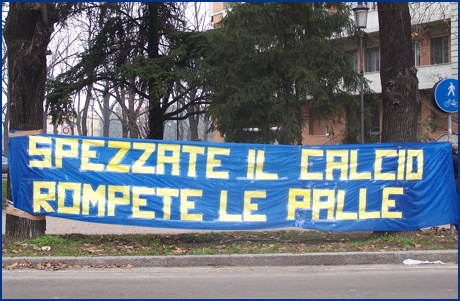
(229,186)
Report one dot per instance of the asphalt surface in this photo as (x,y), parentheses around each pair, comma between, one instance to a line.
(66,226)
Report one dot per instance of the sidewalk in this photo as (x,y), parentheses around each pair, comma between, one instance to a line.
(56,225)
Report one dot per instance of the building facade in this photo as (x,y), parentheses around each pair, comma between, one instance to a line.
(435,46)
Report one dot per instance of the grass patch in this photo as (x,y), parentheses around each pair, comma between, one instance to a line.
(232,242)
(4,192)
(47,240)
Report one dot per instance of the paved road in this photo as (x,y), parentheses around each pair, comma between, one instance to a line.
(302,282)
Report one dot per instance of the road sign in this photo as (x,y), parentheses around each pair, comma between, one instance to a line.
(445,95)
(65,130)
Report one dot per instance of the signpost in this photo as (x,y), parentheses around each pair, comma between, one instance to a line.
(445,97)
(65,130)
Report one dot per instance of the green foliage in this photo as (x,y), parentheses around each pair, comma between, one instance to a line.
(143,47)
(269,60)
(47,240)
(4,181)
(407,242)
(425,128)
(230,242)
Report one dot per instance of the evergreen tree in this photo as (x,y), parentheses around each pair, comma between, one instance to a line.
(150,61)
(269,59)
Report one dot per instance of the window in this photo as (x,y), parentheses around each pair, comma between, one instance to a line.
(353,59)
(371,5)
(375,121)
(439,50)
(372,60)
(317,126)
(416,49)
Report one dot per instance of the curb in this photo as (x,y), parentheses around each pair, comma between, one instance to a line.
(285,259)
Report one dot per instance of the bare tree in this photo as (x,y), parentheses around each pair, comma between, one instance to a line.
(63,50)
(197,22)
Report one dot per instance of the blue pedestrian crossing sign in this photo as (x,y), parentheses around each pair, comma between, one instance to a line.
(445,95)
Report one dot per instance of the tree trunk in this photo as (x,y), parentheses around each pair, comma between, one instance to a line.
(398,77)
(153,50)
(193,119)
(27,33)
(132,114)
(106,111)
(86,108)
(398,74)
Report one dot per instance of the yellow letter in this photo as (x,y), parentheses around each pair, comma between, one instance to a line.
(341,165)
(94,197)
(340,204)
(114,163)
(72,152)
(138,201)
(167,194)
(113,199)
(40,199)
(213,162)
(401,161)
(251,163)
(293,204)
(304,174)
(174,159)
(248,207)
(42,151)
(193,151)
(379,154)
(386,202)
(75,194)
(185,205)
(354,175)
(362,206)
(223,215)
(87,154)
(260,175)
(318,205)
(138,166)
(410,174)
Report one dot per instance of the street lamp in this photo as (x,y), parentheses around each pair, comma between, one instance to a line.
(360,12)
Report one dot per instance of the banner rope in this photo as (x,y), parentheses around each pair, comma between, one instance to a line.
(10,209)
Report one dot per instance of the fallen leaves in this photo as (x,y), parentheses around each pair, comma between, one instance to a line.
(367,248)
(26,264)
(89,250)
(234,242)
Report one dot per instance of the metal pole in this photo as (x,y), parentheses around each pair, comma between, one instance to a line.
(449,127)
(449,138)
(361,85)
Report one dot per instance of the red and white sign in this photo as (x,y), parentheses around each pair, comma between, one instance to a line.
(65,130)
